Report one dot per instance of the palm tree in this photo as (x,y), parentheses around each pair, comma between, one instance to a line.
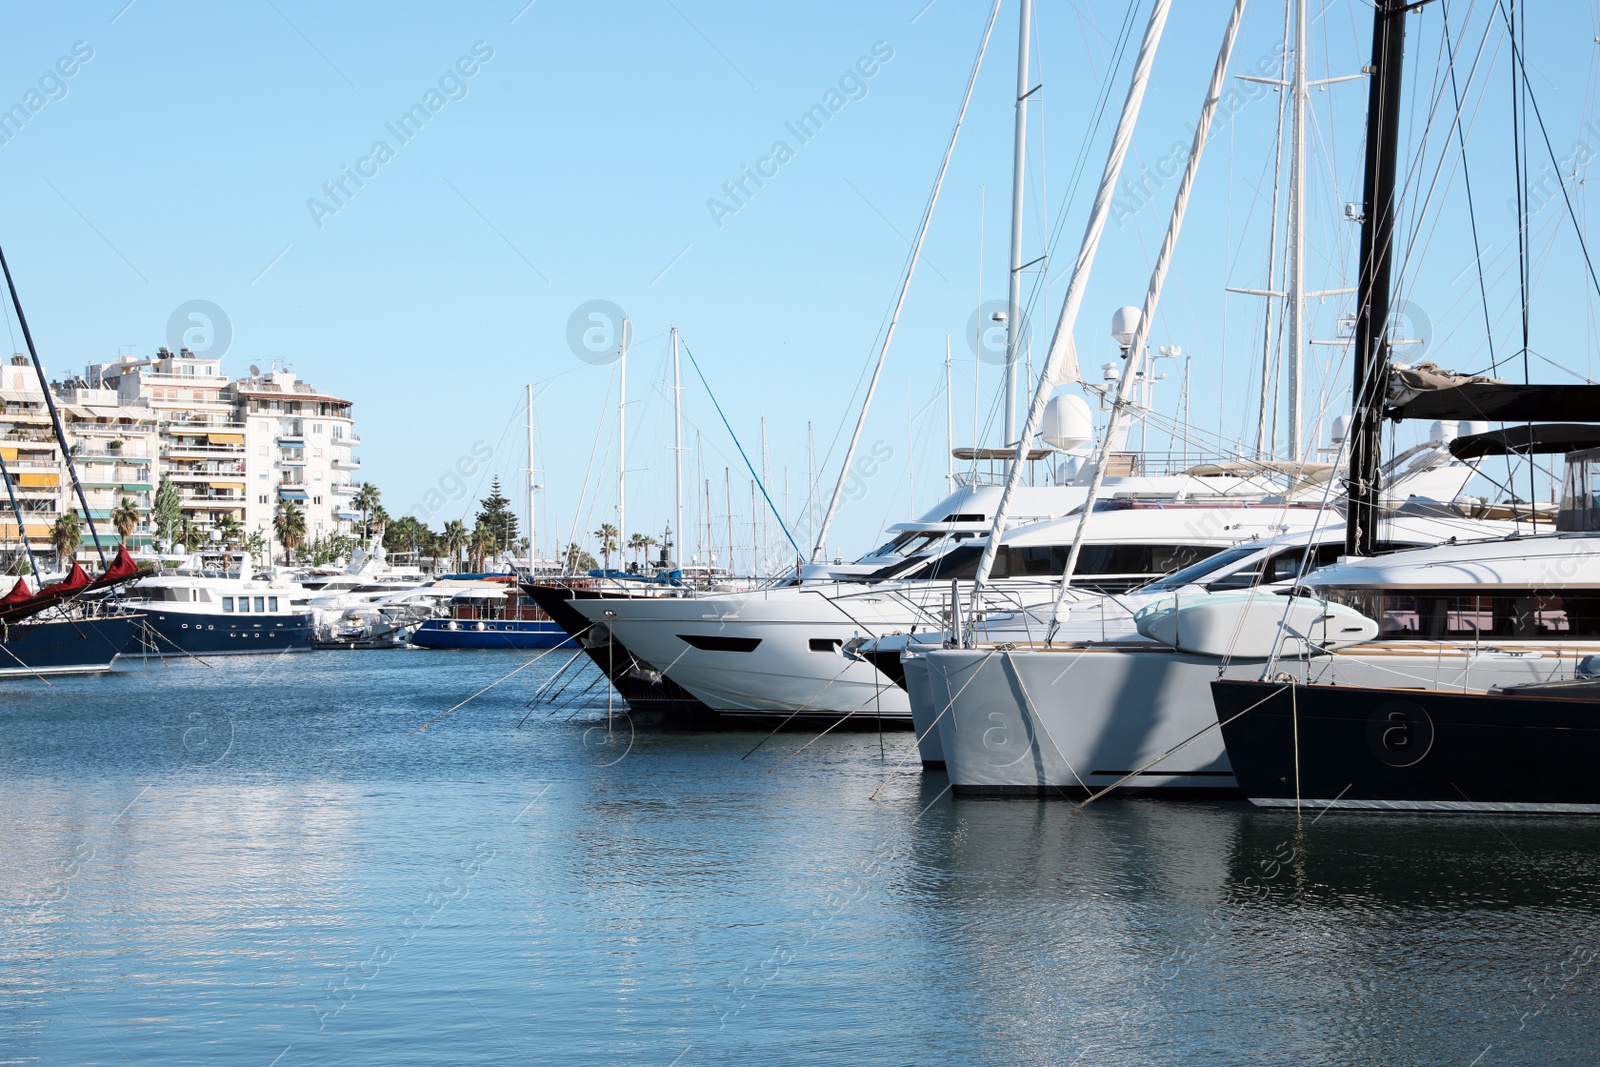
(189,534)
(66,536)
(608,541)
(647,544)
(636,544)
(290,526)
(454,539)
(481,544)
(366,501)
(125,517)
(230,529)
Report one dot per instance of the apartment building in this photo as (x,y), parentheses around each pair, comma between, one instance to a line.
(299,442)
(36,475)
(114,448)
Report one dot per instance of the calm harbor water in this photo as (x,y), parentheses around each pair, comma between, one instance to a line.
(261,863)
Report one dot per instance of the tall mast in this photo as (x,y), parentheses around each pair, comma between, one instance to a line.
(949,422)
(1152,298)
(55,417)
(622,438)
(677,451)
(1019,162)
(533,541)
(1061,361)
(1370,382)
(727,496)
(1297,235)
(811,481)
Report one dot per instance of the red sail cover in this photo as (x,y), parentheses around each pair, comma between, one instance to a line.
(121,568)
(17,595)
(76,579)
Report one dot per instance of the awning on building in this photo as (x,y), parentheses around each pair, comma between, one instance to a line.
(138,487)
(227,485)
(225,438)
(285,442)
(292,494)
(40,479)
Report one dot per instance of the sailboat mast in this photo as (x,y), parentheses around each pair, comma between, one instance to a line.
(1370,383)
(622,437)
(533,487)
(55,415)
(1297,235)
(1019,162)
(677,451)
(949,422)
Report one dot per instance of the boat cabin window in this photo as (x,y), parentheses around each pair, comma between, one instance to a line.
(261,603)
(272,603)
(1451,614)
(1192,574)
(1117,567)
(1281,566)
(227,603)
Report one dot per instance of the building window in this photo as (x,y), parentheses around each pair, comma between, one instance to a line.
(262,498)
(316,500)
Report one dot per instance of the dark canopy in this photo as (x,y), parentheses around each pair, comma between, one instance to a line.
(1543,439)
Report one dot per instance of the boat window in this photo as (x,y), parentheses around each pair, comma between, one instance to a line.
(1192,574)
(227,603)
(244,603)
(1447,614)
(261,604)
(272,603)
(1117,566)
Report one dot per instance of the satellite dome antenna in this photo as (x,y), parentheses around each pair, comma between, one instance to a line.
(255,371)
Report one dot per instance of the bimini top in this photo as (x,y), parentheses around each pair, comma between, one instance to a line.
(1541,439)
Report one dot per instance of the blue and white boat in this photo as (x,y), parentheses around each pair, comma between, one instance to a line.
(493,614)
(212,606)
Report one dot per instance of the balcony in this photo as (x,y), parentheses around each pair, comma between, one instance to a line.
(352,440)
(346,463)
(343,489)
(227,471)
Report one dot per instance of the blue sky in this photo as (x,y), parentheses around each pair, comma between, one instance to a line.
(576,161)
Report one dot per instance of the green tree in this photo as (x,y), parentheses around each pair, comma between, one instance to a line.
(66,536)
(407,534)
(189,534)
(480,545)
(166,513)
(454,539)
(289,525)
(230,529)
(366,501)
(125,517)
(494,511)
(256,545)
(608,541)
(578,561)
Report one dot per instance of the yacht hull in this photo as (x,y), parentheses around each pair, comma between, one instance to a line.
(514,633)
(1139,717)
(55,647)
(758,654)
(1382,749)
(168,633)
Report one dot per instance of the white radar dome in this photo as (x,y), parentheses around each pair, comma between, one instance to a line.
(1068,423)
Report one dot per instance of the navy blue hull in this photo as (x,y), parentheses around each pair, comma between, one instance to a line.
(515,633)
(56,647)
(165,633)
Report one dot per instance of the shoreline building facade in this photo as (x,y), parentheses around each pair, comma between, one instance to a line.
(234,449)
